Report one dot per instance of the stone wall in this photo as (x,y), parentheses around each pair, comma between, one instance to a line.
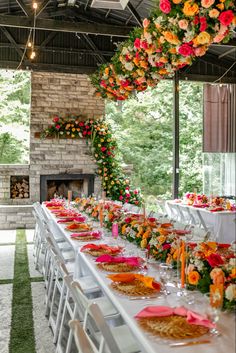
(52,94)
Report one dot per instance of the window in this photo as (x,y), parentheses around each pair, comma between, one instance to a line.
(14,116)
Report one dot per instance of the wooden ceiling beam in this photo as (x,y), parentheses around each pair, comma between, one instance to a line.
(42,6)
(26,9)
(94,48)
(12,41)
(65,26)
(135,14)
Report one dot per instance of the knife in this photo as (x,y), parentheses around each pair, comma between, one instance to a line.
(191,343)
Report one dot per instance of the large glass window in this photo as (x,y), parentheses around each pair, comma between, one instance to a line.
(14,116)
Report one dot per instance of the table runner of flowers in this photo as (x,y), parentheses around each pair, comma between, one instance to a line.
(176,33)
(208,262)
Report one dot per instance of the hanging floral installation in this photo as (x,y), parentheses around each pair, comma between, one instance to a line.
(103,146)
(176,34)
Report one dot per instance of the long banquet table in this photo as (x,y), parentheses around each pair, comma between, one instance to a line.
(222,223)
(129,308)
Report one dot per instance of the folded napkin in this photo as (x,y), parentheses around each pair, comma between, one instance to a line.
(65,220)
(204,205)
(111,249)
(94,234)
(223,245)
(192,317)
(82,226)
(166,225)
(52,204)
(129,277)
(217,209)
(80,219)
(63,213)
(132,261)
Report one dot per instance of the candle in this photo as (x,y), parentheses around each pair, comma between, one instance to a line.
(115,230)
(101,214)
(183,264)
(69,196)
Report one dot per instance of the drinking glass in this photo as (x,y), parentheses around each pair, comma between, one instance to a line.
(213,311)
(165,274)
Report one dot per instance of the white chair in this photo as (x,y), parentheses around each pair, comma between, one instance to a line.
(82,341)
(109,339)
(76,303)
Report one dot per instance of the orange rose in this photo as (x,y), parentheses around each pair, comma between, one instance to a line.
(217,276)
(172,50)
(106,71)
(190,9)
(176,1)
(233,273)
(143,243)
(143,64)
(193,277)
(207,3)
(221,6)
(171,37)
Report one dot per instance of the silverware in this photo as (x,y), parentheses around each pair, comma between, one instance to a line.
(141,298)
(190,343)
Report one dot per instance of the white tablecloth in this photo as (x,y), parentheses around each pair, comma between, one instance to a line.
(222,223)
(129,308)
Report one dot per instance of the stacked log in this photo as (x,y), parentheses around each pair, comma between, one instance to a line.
(19,188)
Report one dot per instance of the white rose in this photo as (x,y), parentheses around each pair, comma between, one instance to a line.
(232,262)
(129,66)
(230,292)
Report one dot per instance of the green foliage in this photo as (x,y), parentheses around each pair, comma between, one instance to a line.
(143,127)
(14,115)
(11,149)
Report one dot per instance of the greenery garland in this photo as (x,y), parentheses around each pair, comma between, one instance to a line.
(176,33)
(103,145)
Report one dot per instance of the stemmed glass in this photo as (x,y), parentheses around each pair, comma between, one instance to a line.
(165,274)
(213,310)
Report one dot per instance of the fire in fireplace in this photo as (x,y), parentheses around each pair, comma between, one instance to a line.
(59,184)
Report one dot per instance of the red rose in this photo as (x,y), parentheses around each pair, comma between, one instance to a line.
(86,127)
(57,127)
(128,195)
(128,220)
(143,45)
(226,17)
(151,219)
(203,24)
(81,124)
(185,50)
(215,260)
(84,133)
(103,84)
(165,6)
(196,20)
(103,149)
(89,132)
(120,197)
(108,153)
(137,43)
(166,246)
(56,119)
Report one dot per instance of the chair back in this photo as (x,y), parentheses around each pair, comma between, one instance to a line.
(82,341)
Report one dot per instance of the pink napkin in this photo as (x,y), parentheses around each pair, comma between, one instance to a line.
(65,220)
(192,317)
(94,234)
(132,261)
(217,209)
(80,219)
(204,205)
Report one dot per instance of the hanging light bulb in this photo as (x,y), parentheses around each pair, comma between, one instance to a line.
(29,44)
(32,55)
(35,5)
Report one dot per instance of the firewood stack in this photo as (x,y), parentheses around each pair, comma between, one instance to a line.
(19,188)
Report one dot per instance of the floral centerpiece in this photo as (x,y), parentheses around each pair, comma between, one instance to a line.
(212,263)
(190,197)
(103,147)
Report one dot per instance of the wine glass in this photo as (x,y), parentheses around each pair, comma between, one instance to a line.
(213,310)
(165,276)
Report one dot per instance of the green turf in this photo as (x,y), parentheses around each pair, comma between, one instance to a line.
(6,281)
(22,327)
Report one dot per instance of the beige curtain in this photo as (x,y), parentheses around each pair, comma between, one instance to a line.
(219,118)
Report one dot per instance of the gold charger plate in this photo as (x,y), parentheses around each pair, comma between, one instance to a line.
(87,238)
(116,267)
(99,252)
(135,288)
(172,327)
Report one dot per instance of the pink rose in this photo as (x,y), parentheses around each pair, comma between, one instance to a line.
(84,133)
(108,153)
(128,195)
(200,51)
(183,24)
(146,23)
(57,127)
(137,43)
(207,3)
(89,132)
(120,197)
(103,149)
(81,124)
(226,17)
(185,50)
(165,6)
(166,246)
(136,191)
(56,119)
(143,45)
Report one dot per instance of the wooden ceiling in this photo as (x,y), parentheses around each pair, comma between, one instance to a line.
(75,38)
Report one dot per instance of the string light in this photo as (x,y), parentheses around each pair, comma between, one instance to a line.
(29,44)
(32,55)
(35,5)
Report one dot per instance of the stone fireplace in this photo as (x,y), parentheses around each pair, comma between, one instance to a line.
(60,184)
(62,161)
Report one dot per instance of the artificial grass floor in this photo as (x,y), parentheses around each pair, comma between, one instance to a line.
(22,339)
